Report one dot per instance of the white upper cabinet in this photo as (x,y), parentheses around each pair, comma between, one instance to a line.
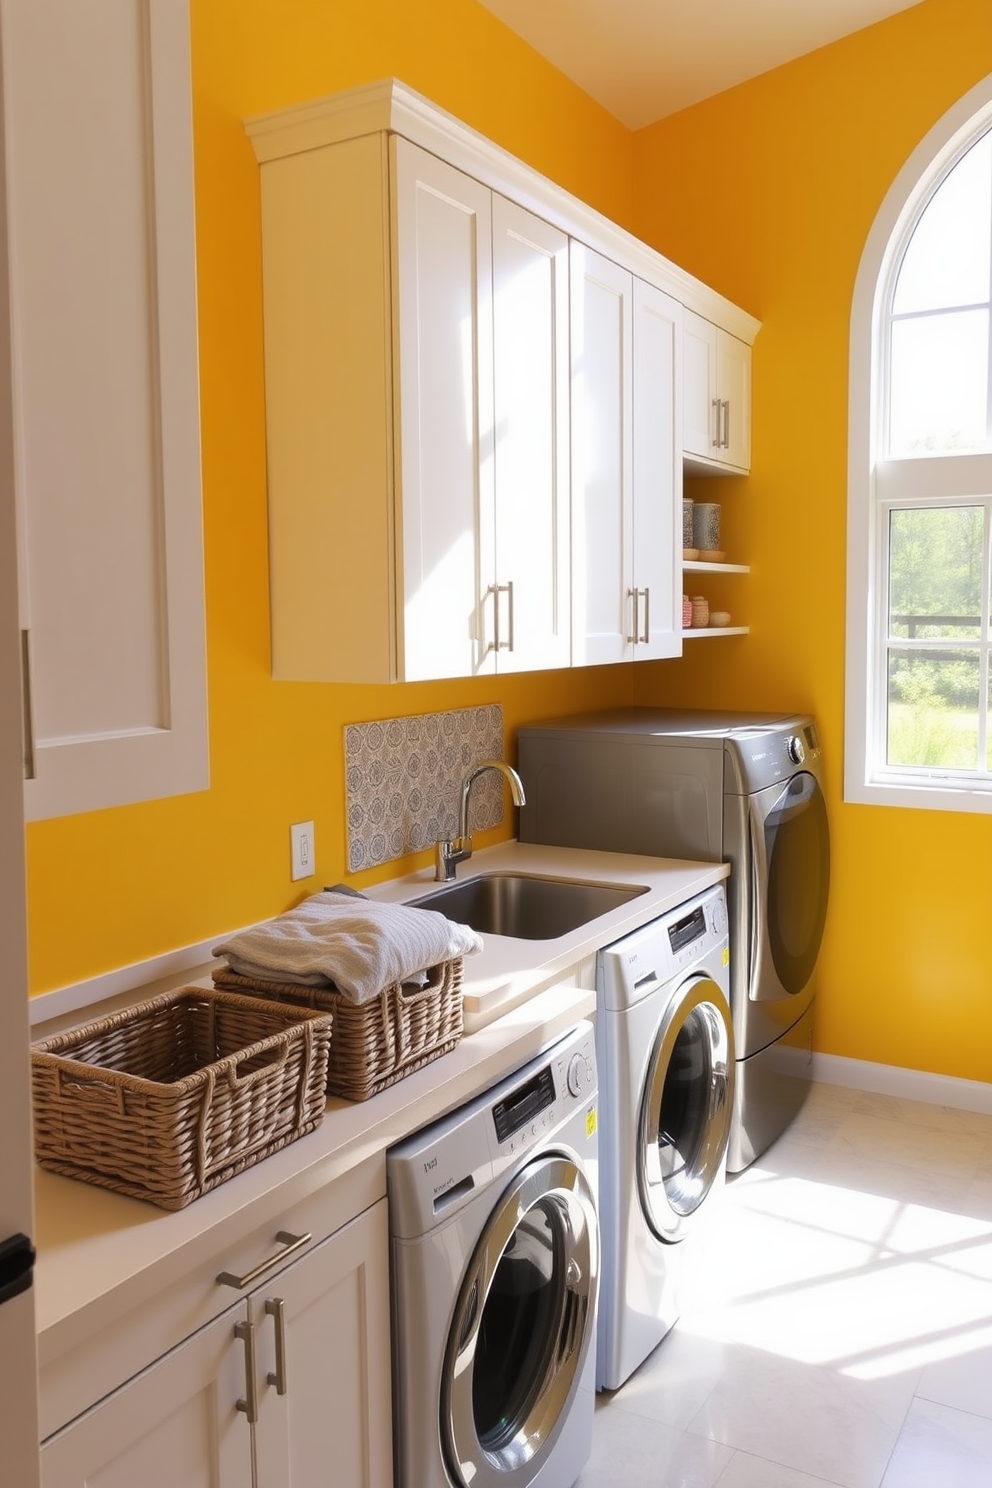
(443,390)
(602,459)
(626,482)
(657,569)
(423,405)
(417,414)
(716,431)
(100,234)
(530,602)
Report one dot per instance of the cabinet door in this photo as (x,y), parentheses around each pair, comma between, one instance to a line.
(106,416)
(602,489)
(527,612)
(175,1425)
(734,383)
(716,410)
(443,267)
(322,1336)
(657,551)
(700,413)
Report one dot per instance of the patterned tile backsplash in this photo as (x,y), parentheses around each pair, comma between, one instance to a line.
(403,779)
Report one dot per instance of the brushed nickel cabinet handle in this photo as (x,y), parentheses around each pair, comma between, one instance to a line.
(292,1244)
(634,596)
(726,423)
(647,616)
(276,1308)
(249,1404)
(717,409)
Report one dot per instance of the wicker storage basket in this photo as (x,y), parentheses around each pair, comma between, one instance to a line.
(376,1043)
(173,1096)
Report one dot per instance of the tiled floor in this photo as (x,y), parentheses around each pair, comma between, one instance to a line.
(837,1326)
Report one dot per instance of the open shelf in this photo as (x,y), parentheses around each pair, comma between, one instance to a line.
(695,566)
(701,631)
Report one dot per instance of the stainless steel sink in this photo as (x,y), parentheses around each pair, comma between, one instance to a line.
(526,906)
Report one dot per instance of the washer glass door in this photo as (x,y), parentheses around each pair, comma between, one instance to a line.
(521,1329)
(686,1106)
(790,881)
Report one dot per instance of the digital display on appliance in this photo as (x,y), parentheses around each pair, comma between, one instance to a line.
(522,1104)
(812,738)
(684,932)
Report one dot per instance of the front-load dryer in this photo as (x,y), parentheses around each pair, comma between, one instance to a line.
(495,1268)
(666,1046)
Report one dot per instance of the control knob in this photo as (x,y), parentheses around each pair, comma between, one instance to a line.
(577,1076)
(795,750)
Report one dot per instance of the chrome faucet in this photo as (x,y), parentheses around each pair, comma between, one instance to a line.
(450,851)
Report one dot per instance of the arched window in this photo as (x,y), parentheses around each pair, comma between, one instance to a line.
(919,612)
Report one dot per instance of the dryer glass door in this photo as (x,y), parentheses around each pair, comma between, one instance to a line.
(686,1107)
(790,881)
(522,1327)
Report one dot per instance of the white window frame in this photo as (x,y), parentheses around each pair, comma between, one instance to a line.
(867,780)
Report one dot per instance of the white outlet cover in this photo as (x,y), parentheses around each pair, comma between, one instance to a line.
(303,862)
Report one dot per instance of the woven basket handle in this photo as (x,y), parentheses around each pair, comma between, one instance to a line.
(103,1088)
(275,1059)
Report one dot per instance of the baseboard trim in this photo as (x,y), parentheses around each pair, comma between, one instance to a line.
(889,1079)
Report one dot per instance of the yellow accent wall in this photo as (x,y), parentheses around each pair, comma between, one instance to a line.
(110,888)
(768,192)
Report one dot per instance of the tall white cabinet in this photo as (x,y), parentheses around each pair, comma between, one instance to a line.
(99,178)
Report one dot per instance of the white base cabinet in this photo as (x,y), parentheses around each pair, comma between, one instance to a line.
(716,431)
(287,1388)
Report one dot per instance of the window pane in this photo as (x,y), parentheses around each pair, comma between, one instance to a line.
(947,260)
(939,379)
(933,700)
(935,572)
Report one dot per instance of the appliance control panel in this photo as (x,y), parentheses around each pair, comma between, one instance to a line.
(632,968)
(527,1110)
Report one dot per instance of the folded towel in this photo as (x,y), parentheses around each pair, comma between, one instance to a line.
(359,947)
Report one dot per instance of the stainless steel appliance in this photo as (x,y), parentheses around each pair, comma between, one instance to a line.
(666,1065)
(742,788)
(495,1256)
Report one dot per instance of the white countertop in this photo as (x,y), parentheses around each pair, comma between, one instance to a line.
(508,971)
(101,1254)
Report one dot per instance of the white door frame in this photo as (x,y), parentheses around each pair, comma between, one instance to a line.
(18,1352)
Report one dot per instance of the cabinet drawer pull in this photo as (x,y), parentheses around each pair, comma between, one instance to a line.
(718,414)
(647,616)
(249,1404)
(276,1308)
(726,423)
(292,1243)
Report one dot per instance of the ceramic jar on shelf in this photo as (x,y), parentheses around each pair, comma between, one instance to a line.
(705,525)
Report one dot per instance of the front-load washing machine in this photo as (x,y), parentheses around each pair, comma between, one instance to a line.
(666,1046)
(495,1268)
